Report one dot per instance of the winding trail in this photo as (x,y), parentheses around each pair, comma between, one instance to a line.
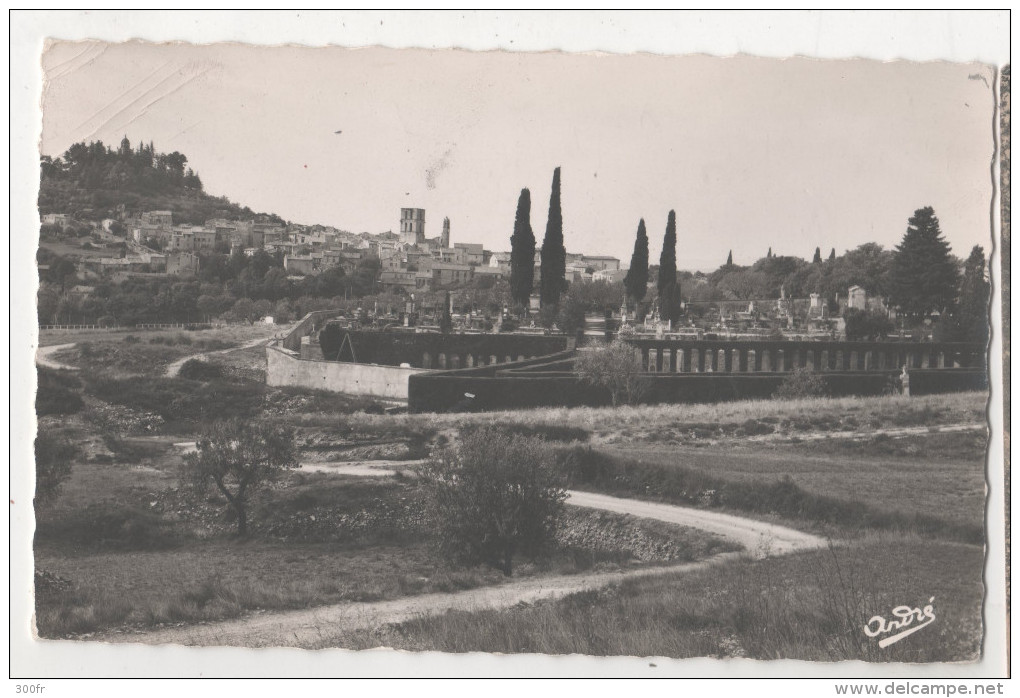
(174,368)
(308,627)
(43,357)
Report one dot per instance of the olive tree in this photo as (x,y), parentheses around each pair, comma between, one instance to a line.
(493,496)
(615,367)
(239,458)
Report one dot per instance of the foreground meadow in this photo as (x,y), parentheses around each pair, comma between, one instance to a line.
(897,485)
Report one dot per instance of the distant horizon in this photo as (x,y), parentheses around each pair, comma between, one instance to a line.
(752,153)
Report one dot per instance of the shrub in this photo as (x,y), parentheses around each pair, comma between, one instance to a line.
(801,383)
(179,399)
(57,393)
(195,369)
(571,314)
(493,496)
(864,325)
(52,465)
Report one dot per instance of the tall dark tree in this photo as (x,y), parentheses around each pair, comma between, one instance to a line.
(974,297)
(818,256)
(522,252)
(924,275)
(769,255)
(636,281)
(667,260)
(669,290)
(832,255)
(554,254)
(969,320)
(729,259)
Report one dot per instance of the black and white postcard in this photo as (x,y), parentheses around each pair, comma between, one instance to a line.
(470,357)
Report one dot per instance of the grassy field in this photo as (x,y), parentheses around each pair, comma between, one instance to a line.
(810,606)
(884,474)
(672,425)
(124,546)
(129,548)
(228,334)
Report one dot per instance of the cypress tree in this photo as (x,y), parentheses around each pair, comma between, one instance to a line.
(832,255)
(667,260)
(636,281)
(729,259)
(522,252)
(974,296)
(818,256)
(769,255)
(554,254)
(669,291)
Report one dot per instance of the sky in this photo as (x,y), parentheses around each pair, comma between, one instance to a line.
(751,153)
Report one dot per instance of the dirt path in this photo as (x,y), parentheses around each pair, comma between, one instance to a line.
(43,357)
(306,628)
(174,368)
(758,537)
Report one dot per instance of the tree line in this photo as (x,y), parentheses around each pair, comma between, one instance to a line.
(234,287)
(920,277)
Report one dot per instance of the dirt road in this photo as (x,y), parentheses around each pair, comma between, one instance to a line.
(43,357)
(307,628)
(757,537)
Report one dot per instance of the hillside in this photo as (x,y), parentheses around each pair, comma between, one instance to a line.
(92,182)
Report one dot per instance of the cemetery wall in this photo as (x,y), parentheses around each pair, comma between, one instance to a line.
(531,384)
(285,368)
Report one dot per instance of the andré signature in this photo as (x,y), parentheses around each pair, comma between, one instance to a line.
(905,617)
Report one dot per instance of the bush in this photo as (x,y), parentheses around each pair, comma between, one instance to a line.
(180,399)
(57,393)
(52,465)
(197,370)
(866,325)
(571,314)
(493,496)
(802,382)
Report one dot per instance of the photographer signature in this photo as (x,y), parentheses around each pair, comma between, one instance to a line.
(905,616)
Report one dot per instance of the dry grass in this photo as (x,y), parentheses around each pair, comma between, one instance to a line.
(234,334)
(685,480)
(811,606)
(656,423)
(136,561)
(940,475)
